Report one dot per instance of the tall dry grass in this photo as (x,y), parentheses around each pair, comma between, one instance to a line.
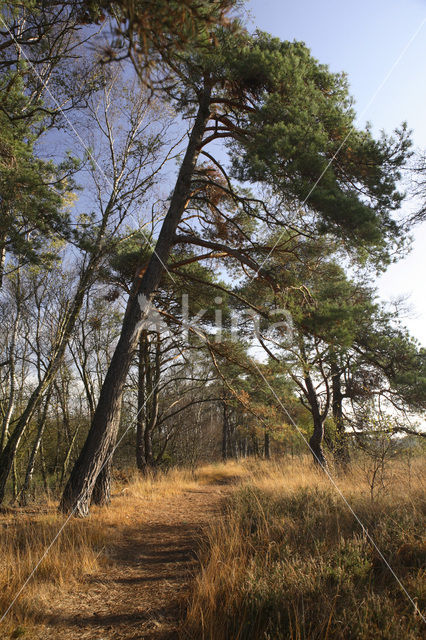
(81,549)
(23,541)
(289,560)
(286,560)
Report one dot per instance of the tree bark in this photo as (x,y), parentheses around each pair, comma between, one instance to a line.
(152,378)
(78,491)
(2,258)
(225,433)
(341,450)
(267,445)
(101,495)
(315,441)
(140,418)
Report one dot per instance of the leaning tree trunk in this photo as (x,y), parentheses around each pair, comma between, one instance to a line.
(7,456)
(102,490)
(78,491)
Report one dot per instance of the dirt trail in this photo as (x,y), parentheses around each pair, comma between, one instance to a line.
(142,593)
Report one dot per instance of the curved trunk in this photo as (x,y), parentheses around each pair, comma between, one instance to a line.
(78,491)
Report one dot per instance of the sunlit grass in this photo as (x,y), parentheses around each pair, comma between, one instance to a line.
(82,546)
(24,539)
(290,561)
(287,553)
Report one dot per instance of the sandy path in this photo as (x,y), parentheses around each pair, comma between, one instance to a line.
(142,593)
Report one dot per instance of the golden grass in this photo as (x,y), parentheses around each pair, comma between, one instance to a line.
(23,542)
(280,511)
(289,561)
(82,547)
(223,473)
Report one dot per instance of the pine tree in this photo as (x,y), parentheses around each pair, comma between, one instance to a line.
(284,116)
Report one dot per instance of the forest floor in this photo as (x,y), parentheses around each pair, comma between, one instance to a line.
(142,592)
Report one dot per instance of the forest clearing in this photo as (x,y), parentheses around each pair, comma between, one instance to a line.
(212,337)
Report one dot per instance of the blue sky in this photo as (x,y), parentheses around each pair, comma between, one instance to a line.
(365,39)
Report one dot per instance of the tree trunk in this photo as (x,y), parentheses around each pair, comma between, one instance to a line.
(140,418)
(148,405)
(267,445)
(102,490)
(341,450)
(315,442)
(2,258)
(14,481)
(12,382)
(316,439)
(255,445)
(232,440)
(245,447)
(225,431)
(68,455)
(22,498)
(152,381)
(8,454)
(105,423)
(43,469)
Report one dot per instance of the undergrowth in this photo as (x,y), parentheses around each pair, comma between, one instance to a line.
(289,561)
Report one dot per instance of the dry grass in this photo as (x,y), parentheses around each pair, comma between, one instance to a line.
(23,541)
(82,547)
(289,561)
(224,473)
(286,561)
